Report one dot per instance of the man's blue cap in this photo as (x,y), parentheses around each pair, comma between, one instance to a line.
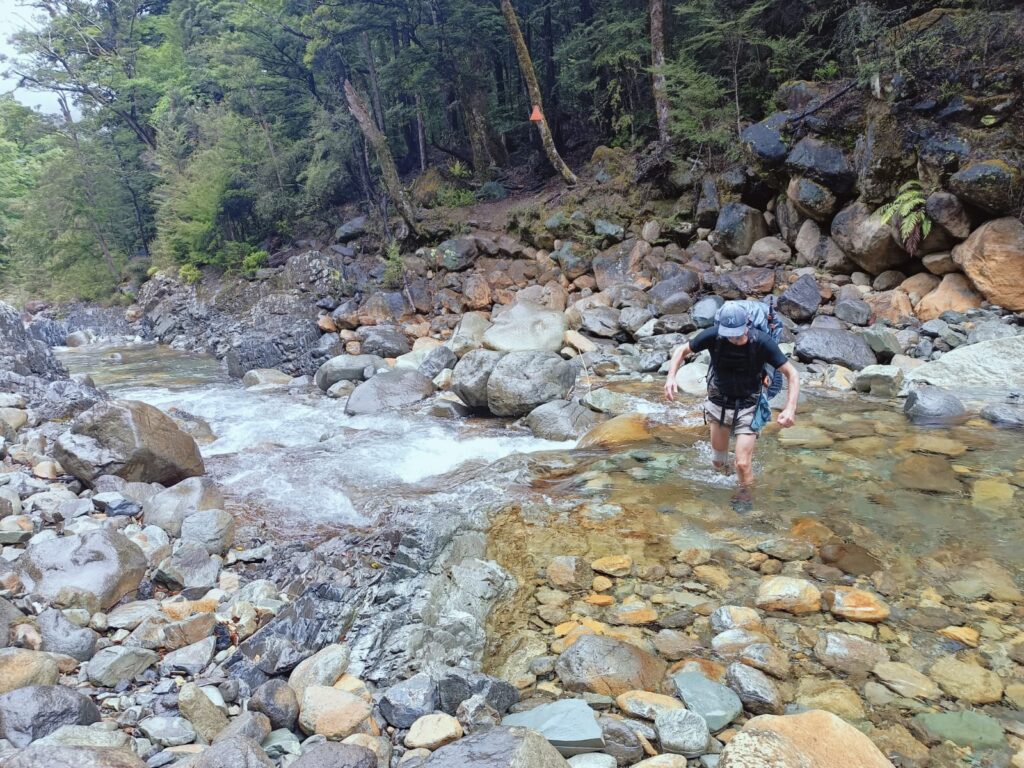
(732,320)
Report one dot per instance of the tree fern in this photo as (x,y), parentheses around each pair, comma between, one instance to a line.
(908,210)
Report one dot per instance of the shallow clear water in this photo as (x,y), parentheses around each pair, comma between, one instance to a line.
(294,463)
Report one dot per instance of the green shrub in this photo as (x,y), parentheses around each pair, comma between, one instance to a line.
(394,270)
(454,197)
(459,170)
(254,261)
(190,274)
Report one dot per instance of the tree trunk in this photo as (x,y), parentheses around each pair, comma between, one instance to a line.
(378,106)
(658,64)
(379,142)
(530,75)
(421,134)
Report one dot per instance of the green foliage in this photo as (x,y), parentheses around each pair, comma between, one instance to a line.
(254,261)
(459,170)
(829,70)
(449,196)
(394,269)
(908,211)
(190,274)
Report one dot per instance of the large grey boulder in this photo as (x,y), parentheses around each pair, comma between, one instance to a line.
(56,756)
(190,565)
(334,755)
(276,699)
(996,365)
(469,378)
(30,713)
(383,341)
(501,747)
(61,636)
(526,326)
(345,368)
(130,439)
(834,346)
(236,752)
(562,420)
(169,508)
(98,567)
(404,703)
(739,226)
(213,529)
(822,162)
(682,732)
(931,405)
(115,663)
(389,390)
(867,240)
(801,300)
(521,381)
(570,725)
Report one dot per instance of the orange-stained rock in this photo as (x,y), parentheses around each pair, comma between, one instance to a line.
(966,635)
(621,430)
(712,670)
(783,593)
(920,285)
(954,293)
(598,664)
(613,565)
(814,739)
(891,305)
(632,615)
(811,530)
(599,600)
(993,257)
(856,604)
(326,324)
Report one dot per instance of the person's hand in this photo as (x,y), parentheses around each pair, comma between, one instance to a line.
(671,388)
(787,418)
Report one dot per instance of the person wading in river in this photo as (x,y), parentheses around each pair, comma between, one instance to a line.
(736,401)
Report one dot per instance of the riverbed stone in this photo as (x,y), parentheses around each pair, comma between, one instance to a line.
(599,664)
(867,240)
(965,681)
(61,636)
(738,227)
(784,548)
(98,567)
(331,712)
(831,696)
(251,725)
(389,390)
(569,724)
(433,731)
(190,565)
(455,685)
(930,474)
(501,747)
(471,374)
(212,529)
(593,760)
(62,756)
(332,755)
(130,439)
(526,326)
(562,420)
(964,728)
(801,300)
(682,732)
(21,667)
(848,654)
(756,690)
(645,704)
(404,703)
(834,346)
(816,738)
(205,716)
(115,663)
(991,365)
(879,380)
(855,604)
(168,731)
(31,712)
(906,681)
(169,508)
(324,668)
(767,658)
(85,736)
(522,381)
(716,703)
(190,660)
(788,594)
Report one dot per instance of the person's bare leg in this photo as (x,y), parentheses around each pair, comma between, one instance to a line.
(745,459)
(719,445)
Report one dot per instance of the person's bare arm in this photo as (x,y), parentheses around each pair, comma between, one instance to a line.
(787,418)
(673,367)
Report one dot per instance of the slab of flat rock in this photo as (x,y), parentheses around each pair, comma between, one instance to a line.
(569,724)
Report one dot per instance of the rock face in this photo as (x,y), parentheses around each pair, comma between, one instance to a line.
(30,713)
(502,747)
(526,326)
(814,739)
(599,664)
(97,567)
(388,391)
(129,439)
(993,257)
(522,381)
(992,365)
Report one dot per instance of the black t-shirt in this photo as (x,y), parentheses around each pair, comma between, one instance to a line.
(736,370)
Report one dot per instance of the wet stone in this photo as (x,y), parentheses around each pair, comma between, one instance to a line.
(716,703)
(965,728)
